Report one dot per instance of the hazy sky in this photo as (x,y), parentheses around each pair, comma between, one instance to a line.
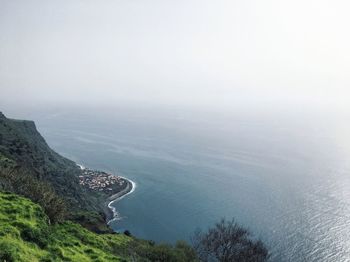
(175,52)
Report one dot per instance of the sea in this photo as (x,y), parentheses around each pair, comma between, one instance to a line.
(283,174)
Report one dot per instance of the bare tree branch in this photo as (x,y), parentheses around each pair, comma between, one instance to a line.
(228,242)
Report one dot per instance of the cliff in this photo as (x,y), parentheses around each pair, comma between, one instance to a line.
(26,158)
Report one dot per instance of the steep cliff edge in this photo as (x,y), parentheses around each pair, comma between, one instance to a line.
(24,153)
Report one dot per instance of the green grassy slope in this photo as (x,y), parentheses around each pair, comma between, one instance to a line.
(26,235)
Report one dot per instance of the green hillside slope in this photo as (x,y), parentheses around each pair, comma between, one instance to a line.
(21,143)
(26,235)
(29,167)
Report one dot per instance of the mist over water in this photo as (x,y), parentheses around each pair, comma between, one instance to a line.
(283,175)
(118,86)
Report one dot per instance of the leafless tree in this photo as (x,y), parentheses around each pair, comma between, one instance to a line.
(228,242)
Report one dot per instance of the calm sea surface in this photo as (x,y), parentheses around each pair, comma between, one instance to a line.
(285,176)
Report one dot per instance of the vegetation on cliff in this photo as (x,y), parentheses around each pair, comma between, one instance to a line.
(29,167)
(27,235)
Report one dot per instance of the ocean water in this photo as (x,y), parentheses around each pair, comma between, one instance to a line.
(285,176)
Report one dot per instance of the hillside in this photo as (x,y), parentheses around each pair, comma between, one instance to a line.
(26,235)
(22,145)
(29,167)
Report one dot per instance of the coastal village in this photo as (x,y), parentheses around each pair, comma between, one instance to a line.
(101,181)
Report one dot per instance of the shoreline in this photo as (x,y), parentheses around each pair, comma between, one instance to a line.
(113,214)
(110,211)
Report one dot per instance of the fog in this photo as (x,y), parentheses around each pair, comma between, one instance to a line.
(185,52)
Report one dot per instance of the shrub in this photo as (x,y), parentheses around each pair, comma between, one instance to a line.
(39,192)
(228,242)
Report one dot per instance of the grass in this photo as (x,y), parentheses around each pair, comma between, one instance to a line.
(27,235)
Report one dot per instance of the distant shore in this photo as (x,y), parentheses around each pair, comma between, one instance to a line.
(110,211)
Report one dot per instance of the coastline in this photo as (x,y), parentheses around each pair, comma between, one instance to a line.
(112,214)
(110,211)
